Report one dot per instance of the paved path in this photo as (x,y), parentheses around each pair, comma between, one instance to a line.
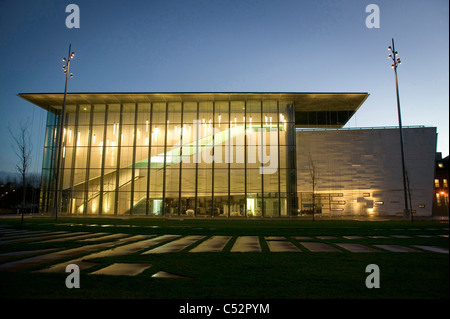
(102,244)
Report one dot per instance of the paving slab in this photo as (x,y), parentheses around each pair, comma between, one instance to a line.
(434,249)
(353,237)
(23,234)
(24,253)
(84,263)
(176,245)
(72,238)
(397,248)
(302,237)
(282,246)
(275,238)
(401,236)
(319,247)
(246,244)
(213,244)
(54,256)
(357,248)
(326,237)
(122,269)
(107,237)
(39,237)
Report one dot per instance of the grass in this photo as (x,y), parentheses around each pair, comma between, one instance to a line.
(264,275)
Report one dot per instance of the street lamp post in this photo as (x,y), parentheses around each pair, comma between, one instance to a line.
(396,61)
(59,142)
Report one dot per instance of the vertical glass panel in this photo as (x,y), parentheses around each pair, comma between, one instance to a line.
(174,135)
(124,197)
(143,114)
(126,156)
(220,181)
(237,181)
(108,203)
(139,202)
(159,113)
(127,135)
(99,114)
(221,119)
(174,114)
(156,179)
(128,114)
(237,206)
(84,117)
(188,177)
(253,181)
(254,111)
(237,113)
(270,113)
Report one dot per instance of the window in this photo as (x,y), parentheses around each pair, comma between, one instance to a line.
(445,182)
(440,165)
(436,183)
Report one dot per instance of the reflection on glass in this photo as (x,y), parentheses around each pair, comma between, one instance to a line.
(174,158)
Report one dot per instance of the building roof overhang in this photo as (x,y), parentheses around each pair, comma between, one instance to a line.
(329,109)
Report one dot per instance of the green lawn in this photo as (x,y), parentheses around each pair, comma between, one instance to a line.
(261,275)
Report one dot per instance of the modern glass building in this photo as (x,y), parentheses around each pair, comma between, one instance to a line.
(180,154)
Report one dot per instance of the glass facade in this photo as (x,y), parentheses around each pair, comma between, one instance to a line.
(180,157)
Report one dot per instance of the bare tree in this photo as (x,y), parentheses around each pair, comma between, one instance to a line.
(22,147)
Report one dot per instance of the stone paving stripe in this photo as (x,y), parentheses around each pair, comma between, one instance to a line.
(275,238)
(107,237)
(326,237)
(282,246)
(42,259)
(353,237)
(24,253)
(73,238)
(400,236)
(122,269)
(357,248)
(434,249)
(246,244)
(213,244)
(377,237)
(126,249)
(397,248)
(23,234)
(176,245)
(40,237)
(319,247)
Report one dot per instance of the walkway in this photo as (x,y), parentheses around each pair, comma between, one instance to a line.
(101,244)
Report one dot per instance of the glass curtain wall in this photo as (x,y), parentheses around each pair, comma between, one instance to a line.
(193,158)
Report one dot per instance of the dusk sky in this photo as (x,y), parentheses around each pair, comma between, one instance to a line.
(227,46)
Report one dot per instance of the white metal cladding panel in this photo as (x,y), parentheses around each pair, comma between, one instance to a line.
(358,162)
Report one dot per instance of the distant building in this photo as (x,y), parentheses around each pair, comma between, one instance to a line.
(441,179)
(234,155)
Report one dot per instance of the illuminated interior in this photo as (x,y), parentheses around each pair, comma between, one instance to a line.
(194,154)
